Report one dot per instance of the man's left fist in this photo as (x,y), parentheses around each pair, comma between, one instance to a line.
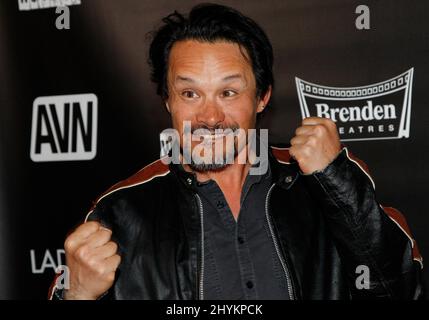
(316,144)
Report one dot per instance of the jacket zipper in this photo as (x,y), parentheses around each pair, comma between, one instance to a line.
(276,246)
(201,280)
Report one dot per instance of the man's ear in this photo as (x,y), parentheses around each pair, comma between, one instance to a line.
(264,101)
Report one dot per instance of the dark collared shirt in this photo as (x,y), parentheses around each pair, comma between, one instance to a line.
(240,260)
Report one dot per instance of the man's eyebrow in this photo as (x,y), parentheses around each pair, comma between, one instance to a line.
(186,79)
(227,78)
(233,77)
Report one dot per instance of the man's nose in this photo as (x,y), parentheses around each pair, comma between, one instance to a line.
(211,114)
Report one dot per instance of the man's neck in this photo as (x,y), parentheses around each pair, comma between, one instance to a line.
(232,176)
(230,180)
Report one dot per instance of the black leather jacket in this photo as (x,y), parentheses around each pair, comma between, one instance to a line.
(323,225)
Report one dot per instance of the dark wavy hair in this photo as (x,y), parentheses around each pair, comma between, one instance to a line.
(211,23)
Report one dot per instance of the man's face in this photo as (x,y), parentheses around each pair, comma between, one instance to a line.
(212,85)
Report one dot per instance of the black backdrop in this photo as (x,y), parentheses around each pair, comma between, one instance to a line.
(104,52)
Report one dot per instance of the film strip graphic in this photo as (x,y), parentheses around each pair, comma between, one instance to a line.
(349,96)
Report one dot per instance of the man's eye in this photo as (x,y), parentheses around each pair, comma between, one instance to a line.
(189,94)
(229,93)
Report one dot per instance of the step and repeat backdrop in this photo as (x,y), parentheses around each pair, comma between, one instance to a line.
(78,111)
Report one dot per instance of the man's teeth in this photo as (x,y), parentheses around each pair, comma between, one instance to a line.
(213,136)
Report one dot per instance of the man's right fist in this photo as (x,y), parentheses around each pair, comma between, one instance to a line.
(92,260)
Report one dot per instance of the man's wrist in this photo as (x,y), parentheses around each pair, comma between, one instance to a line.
(339,157)
(71,295)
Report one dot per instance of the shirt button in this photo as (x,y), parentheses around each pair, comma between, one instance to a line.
(240,240)
(249,284)
(288,179)
(220,204)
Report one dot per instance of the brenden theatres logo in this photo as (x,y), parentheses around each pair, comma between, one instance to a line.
(25,5)
(64,128)
(378,111)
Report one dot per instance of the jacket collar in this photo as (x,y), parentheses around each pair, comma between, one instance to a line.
(285,170)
